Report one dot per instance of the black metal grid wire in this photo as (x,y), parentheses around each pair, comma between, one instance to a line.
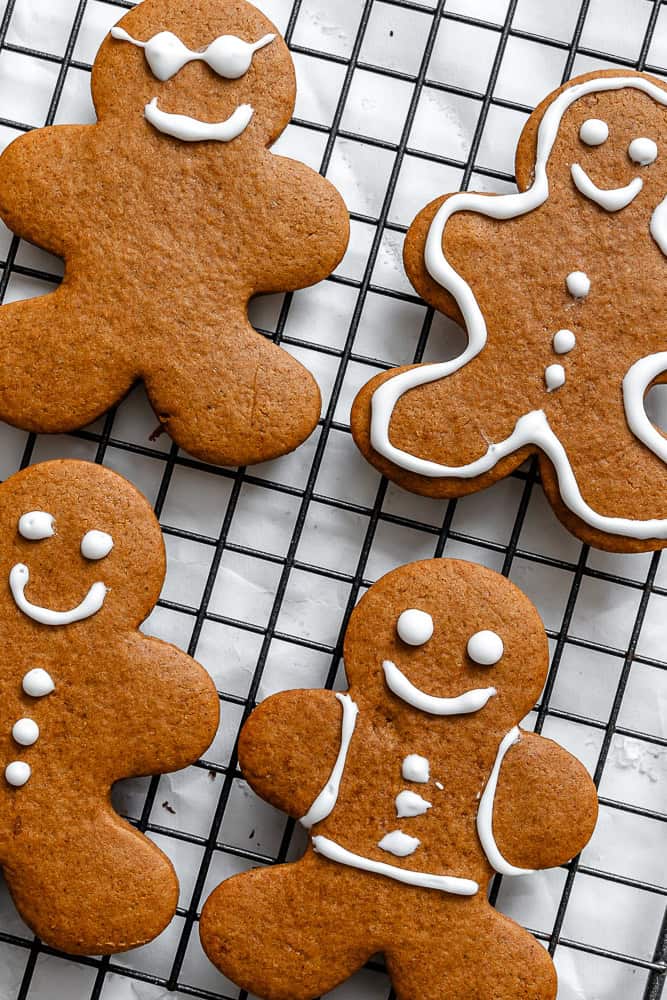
(655,968)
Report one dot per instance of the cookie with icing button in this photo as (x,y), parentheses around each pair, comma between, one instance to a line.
(171,213)
(85,700)
(560,291)
(415,786)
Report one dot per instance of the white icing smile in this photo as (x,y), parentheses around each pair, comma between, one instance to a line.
(193,130)
(464,704)
(611,199)
(19,577)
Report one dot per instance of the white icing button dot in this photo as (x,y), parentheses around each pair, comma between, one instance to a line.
(416,768)
(594,132)
(25,732)
(96,545)
(485,647)
(409,804)
(554,376)
(38,683)
(414,627)
(578,284)
(37,524)
(17,773)
(643,151)
(564,341)
(399,844)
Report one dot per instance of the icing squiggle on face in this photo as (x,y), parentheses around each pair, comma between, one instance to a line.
(533,428)
(611,199)
(166,55)
(445,883)
(485,812)
(326,800)
(19,577)
(36,525)
(463,704)
(399,844)
(193,130)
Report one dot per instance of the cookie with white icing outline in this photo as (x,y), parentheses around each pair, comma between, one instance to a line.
(560,289)
(171,213)
(87,699)
(414,786)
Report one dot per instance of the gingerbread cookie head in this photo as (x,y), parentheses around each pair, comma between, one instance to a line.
(85,700)
(414,786)
(77,547)
(200,72)
(434,638)
(559,288)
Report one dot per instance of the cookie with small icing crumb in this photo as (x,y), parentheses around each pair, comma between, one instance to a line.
(171,213)
(85,700)
(415,786)
(561,291)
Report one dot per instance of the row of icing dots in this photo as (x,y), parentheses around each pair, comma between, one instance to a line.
(37,683)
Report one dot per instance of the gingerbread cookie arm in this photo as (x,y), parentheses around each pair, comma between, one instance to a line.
(40,193)
(414,258)
(90,884)
(312,228)
(289,746)
(184,709)
(545,807)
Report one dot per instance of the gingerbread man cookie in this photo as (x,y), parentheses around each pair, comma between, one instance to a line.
(171,213)
(560,290)
(86,699)
(415,786)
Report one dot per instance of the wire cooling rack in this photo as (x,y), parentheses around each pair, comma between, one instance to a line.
(399,101)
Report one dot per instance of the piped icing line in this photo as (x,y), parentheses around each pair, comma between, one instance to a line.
(228,55)
(504,207)
(635,384)
(444,883)
(485,812)
(19,577)
(325,802)
(463,704)
(611,199)
(193,130)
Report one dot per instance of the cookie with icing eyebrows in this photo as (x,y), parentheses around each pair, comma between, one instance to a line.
(85,700)
(171,213)
(561,289)
(415,786)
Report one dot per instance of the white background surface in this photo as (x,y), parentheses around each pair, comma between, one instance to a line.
(336,515)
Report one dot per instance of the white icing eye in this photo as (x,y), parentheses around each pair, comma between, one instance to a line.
(36,525)
(414,627)
(594,132)
(643,151)
(166,55)
(485,648)
(96,545)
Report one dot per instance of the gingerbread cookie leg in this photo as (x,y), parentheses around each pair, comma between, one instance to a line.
(432,423)
(479,953)
(95,887)
(233,398)
(54,382)
(305,953)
